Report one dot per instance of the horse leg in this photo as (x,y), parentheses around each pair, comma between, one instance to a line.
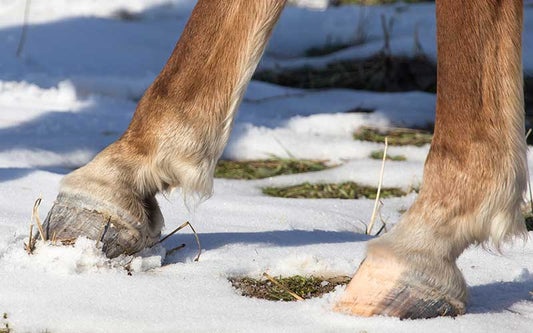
(474,176)
(177,133)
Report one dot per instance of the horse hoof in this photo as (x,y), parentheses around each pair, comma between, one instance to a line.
(118,231)
(386,286)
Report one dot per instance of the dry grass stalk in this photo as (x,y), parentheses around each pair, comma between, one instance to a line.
(383,221)
(376,202)
(31,243)
(179,247)
(417,48)
(22,40)
(35,214)
(296,296)
(387,30)
(361,34)
(178,229)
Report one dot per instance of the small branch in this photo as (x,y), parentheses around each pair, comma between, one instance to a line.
(296,296)
(376,203)
(24,28)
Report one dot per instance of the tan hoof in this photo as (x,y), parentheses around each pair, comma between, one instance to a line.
(386,286)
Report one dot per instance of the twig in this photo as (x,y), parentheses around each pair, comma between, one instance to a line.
(376,203)
(178,229)
(296,296)
(35,214)
(24,28)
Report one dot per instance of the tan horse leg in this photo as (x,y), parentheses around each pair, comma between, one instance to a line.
(178,132)
(474,176)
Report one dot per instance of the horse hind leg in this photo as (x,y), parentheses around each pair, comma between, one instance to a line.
(475,173)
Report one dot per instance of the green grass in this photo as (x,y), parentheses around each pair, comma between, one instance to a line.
(347,190)
(377,73)
(396,136)
(378,155)
(305,287)
(258,169)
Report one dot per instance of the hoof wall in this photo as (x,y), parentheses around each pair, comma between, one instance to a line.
(388,289)
(72,216)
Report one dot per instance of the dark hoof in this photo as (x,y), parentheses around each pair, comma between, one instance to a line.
(118,231)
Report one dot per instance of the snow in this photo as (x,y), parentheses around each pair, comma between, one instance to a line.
(73,92)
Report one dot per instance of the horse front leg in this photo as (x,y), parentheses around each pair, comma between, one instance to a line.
(177,133)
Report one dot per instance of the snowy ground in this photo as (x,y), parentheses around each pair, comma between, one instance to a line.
(73,92)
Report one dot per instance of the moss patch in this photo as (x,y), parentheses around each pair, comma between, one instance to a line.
(378,73)
(258,169)
(347,190)
(396,136)
(378,155)
(305,287)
